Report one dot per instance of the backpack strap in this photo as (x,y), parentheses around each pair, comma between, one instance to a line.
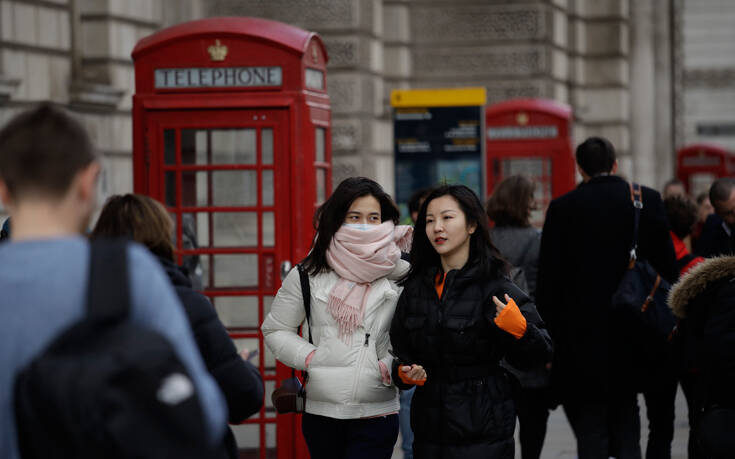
(636,196)
(108,295)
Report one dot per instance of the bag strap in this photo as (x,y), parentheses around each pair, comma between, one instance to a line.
(108,295)
(306,295)
(637,198)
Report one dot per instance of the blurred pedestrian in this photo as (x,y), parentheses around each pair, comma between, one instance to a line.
(585,247)
(717,236)
(704,300)
(353,267)
(509,207)
(704,210)
(146,221)
(674,187)
(48,184)
(457,317)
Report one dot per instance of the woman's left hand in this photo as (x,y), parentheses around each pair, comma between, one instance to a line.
(499,305)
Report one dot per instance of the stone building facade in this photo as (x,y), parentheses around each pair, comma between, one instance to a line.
(651,75)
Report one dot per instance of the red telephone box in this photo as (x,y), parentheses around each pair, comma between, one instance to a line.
(231,130)
(701,164)
(530,137)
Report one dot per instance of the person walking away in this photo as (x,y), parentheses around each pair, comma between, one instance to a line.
(353,267)
(458,316)
(509,207)
(717,236)
(585,246)
(145,221)
(48,184)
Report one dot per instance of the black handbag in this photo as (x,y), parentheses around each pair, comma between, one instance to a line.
(640,300)
(290,395)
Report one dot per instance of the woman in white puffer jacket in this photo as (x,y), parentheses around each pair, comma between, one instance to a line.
(353,266)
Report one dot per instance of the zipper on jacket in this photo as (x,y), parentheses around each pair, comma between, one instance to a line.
(358,370)
(367,338)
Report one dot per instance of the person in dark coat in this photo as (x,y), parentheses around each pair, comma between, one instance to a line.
(717,236)
(704,300)
(146,221)
(458,316)
(509,207)
(585,246)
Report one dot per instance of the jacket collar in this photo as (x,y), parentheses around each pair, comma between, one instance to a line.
(602,179)
(697,280)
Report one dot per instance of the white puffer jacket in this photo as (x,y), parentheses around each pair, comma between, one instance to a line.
(344,379)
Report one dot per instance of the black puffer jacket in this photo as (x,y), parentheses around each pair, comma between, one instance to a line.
(704,298)
(239,381)
(465,410)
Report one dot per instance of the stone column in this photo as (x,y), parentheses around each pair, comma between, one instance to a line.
(600,83)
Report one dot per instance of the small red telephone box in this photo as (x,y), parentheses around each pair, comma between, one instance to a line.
(231,130)
(530,137)
(699,165)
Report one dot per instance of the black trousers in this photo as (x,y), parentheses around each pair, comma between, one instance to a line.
(660,397)
(329,438)
(606,427)
(688,382)
(533,413)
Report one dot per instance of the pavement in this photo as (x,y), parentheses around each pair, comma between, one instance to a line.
(560,442)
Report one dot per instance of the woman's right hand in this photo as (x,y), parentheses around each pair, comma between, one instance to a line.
(412,374)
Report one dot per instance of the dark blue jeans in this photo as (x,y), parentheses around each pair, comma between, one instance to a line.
(329,438)
(606,428)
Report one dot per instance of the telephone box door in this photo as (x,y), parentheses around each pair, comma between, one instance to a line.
(223,176)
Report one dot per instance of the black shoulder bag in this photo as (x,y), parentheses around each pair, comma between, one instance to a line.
(640,299)
(290,396)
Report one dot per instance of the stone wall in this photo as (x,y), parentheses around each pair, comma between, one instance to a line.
(76,53)
(707,73)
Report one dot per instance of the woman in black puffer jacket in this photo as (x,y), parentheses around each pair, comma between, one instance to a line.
(457,317)
(146,221)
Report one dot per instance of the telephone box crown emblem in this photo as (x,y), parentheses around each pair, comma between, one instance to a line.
(217,51)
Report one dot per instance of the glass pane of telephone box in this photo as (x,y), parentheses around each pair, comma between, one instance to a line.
(233,146)
(266,146)
(218,146)
(238,311)
(169,146)
(224,229)
(219,188)
(247,437)
(230,270)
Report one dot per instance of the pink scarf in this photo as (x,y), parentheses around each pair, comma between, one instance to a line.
(359,257)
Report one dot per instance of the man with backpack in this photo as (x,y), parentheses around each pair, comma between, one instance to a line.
(585,249)
(122,400)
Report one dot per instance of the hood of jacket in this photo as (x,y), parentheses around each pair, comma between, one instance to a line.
(697,280)
(175,273)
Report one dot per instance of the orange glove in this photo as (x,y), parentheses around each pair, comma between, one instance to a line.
(510,318)
(406,380)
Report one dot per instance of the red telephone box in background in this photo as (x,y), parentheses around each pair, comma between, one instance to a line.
(231,126)
(698,165)
(530,137)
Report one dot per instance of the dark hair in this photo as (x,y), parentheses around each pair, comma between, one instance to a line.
(139,218)
(417,198)
(331,215)
(671,183)
(511,201)
(482,251)
(721,189)
(595,156)
(41,150)
(682,215)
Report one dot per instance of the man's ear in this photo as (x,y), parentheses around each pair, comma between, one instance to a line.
(615,167)
(5,195)
(87,180)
